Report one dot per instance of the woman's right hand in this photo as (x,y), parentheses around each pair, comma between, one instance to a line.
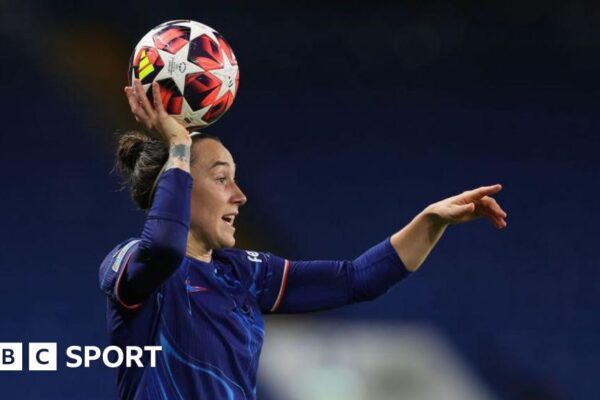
(154,118)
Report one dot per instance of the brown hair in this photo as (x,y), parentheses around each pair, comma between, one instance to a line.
(139,160)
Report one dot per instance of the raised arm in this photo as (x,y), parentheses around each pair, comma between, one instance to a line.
(164,236)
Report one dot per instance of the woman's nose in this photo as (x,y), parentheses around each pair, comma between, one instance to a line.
(239,197)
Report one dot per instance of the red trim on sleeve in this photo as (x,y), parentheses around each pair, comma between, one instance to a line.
(286,269)
(121,302)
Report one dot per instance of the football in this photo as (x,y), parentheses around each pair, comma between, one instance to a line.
(195,67)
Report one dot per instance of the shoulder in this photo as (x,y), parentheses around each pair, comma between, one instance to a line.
(256,265)
(249,265)
(242,257)
(113,262)
(114,258)
(248,259)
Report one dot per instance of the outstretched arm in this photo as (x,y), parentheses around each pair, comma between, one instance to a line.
(414,242)
(303,286)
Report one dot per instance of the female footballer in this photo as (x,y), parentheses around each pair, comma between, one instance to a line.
(182,286)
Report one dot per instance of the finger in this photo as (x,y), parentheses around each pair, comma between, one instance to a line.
(143,99)
(157,98)
(477,194)
(499,223)
(490,209)
(489,203)
(496,207)
(134,105)
(488,214)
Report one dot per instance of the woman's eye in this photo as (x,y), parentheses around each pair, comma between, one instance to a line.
(221,180)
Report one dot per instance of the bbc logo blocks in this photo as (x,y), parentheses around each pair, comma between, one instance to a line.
(11,356)
(42,356)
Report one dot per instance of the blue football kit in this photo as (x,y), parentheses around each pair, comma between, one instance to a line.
(207,316)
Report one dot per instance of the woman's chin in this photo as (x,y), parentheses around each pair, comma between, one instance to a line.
(226,242)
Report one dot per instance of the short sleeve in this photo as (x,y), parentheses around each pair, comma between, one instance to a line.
(112,269)
(269,279)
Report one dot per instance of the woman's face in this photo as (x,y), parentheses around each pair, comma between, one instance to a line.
(216,198)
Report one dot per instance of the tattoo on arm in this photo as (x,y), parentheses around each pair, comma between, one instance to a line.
(179,152)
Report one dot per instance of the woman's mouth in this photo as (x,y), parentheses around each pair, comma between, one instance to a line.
(229,219)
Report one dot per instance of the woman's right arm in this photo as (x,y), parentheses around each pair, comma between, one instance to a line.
(164,236)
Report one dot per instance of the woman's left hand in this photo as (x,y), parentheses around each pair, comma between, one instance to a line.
(470,205)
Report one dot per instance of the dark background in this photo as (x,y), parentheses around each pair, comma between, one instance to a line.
(351,118)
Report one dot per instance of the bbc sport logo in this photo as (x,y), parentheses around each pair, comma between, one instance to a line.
(44,356)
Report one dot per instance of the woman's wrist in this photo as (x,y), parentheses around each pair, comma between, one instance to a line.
(433,218)
(180,140)
(179,155)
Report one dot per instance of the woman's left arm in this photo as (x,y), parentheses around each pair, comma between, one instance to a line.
(303,286)
(414,242)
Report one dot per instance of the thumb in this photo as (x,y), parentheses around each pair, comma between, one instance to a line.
(464,209)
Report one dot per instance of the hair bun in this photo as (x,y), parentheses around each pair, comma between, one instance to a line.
(129,148)
(139,159)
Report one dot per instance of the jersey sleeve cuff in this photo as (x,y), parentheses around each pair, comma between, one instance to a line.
(275,273)
(390,253)
(282,287)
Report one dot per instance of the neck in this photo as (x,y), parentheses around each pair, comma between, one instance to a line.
(197,249)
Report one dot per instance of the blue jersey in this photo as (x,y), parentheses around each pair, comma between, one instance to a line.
(207,317)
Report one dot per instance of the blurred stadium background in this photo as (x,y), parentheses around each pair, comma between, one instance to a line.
(351,117)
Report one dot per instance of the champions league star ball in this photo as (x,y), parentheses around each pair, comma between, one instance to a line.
(194,66)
